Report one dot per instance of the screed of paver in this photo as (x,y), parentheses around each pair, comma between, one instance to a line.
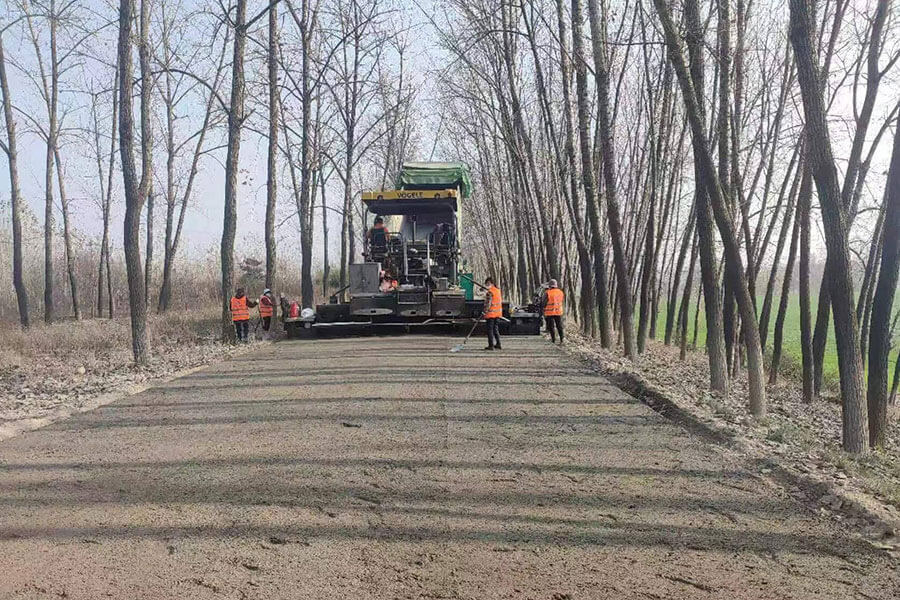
(387,467)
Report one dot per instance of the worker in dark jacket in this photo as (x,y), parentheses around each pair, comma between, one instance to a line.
(240,314)
(379,235)
(493,310)
(553,310)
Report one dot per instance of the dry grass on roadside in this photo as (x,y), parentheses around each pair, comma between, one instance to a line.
(101,344)
(67,363)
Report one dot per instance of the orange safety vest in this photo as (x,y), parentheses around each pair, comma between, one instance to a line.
(266,308)
(554,306)
(239,310)
(495,308)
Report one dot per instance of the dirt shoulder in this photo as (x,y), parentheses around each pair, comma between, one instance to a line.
(392,468)
(796,442)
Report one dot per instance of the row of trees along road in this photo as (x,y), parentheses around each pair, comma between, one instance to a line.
(654,156)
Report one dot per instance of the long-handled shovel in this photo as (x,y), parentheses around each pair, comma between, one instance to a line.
(459,347)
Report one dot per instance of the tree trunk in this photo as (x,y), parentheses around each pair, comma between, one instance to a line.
(272,157)
(587,173)
(896,384)
(676,281)
(712,302)
(723,64)
(67,237)
(853,172)
(766,312)
(686,304)
(232,164)
(623,270)
(165,289)
(783,303)
(105,183)
(326,267)
(148,258)
(12,155)
(589,299)
(804,202)
(135,192)
(49,224)
(824,172)
(307,289)
(880,331)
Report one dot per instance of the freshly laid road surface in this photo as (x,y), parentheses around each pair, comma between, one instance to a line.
(391,468)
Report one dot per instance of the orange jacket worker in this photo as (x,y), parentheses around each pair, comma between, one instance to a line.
(554,299)
(266,308)
(240,314)
(493,310)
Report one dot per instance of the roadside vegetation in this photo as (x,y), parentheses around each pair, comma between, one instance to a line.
(66,365)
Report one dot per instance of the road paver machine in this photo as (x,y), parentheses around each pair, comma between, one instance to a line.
(410,275)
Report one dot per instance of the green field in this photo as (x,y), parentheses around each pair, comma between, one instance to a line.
(791,344)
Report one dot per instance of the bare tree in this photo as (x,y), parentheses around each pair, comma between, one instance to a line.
(173,93)
(105,185)
(880,331)
(824,172)
(232,163)
(272,155)
(10,147)
(608,156)
(734,268)
(136,189)
(715,341)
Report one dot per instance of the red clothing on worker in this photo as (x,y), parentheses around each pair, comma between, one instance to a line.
(554,303)
(493,303)
(266,306)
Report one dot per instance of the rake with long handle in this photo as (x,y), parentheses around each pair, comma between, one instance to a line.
(459,347)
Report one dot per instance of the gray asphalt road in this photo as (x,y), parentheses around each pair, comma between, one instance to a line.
(391,468)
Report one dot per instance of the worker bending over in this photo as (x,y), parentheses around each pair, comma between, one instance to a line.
(240,314)
(553,310)
(493,310)
(266,308)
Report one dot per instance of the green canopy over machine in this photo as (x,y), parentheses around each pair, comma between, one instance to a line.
(435,175)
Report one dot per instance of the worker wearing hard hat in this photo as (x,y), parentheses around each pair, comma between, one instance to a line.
(266,308)
(553,310)
(240,314)
(493,310)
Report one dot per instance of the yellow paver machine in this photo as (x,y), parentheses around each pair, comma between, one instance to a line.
(410,277)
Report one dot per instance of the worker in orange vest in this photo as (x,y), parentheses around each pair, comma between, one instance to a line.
(240,314)
(266,308)
(553,310)
(493,310)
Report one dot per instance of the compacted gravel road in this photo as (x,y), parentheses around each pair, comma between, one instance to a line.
(388,467)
